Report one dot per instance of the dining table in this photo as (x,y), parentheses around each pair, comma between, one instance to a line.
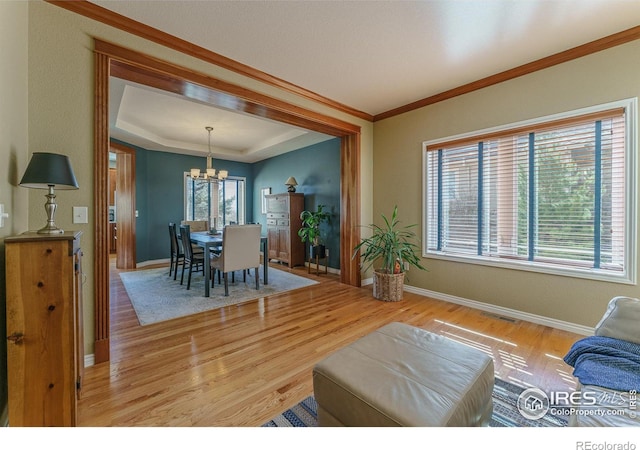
(208,241)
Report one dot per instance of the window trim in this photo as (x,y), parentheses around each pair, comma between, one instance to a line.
(629,275)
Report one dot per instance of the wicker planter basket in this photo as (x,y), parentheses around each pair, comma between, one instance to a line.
(388,287)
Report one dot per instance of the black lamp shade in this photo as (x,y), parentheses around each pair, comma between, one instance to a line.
(49,169)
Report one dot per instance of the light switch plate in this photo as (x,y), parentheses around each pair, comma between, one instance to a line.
(80,214)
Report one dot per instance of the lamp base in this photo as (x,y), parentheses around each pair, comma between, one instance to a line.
(291,188)
(50,207)
(50,229)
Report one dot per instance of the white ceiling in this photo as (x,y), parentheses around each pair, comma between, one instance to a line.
(378,55)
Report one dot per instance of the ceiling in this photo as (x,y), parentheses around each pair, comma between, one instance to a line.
(372,56)
(162,121)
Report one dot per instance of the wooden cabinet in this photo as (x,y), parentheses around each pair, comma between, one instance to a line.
(283,223)
(45,344)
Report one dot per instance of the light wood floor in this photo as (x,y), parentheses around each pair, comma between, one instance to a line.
(244,364)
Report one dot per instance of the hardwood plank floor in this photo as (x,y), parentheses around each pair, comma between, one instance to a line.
(244,364)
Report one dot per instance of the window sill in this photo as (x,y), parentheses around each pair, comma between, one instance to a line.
(537,267)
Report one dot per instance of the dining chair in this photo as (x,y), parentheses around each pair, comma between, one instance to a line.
(176,252)
(199,225)
(190,257)
(196,225)
(240,251)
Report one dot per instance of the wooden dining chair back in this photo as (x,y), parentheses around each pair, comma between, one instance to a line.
(176,252)
(240,251)
(191,258)
(196,225)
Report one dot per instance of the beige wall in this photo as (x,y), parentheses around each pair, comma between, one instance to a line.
(13,147)
(14,151)
(61,114)
(599,78)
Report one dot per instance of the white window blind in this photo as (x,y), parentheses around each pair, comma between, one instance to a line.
(548,194)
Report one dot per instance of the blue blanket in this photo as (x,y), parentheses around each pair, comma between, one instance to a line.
(606,362)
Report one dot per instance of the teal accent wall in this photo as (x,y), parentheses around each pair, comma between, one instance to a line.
(160,192)
(317,170)
(160,196)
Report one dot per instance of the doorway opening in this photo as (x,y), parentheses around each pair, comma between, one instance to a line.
(112,60)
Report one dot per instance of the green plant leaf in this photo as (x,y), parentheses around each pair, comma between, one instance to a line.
(389,243)
(311,221)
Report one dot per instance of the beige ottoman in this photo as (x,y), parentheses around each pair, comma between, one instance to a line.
(400,375)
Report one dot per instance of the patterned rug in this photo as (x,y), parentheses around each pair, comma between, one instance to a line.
(156,297)
(505,411)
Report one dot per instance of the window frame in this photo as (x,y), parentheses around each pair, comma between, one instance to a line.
(629,274)
(241,214)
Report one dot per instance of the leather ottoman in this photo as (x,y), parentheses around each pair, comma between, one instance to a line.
(400,375)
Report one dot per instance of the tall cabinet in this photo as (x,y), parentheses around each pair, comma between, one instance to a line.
(283,223)
(45,345)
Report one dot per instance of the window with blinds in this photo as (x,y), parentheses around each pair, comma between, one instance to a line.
(555,195)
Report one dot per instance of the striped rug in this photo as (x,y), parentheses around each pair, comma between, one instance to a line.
(505,411)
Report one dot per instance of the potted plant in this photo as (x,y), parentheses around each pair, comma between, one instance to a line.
(310,231)
(393,246)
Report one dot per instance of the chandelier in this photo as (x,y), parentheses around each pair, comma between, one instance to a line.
(210,172)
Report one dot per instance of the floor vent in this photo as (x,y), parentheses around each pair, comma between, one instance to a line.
(496,316)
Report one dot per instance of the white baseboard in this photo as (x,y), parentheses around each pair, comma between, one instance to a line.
(508,312)
(89,360)
(499,310)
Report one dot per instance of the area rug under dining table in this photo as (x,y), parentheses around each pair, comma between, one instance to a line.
(157,297)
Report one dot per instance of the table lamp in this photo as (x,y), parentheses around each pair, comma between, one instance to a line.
(291,184)
(46,171)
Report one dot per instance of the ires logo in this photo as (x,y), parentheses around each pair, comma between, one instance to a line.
(588,398)
(534,403)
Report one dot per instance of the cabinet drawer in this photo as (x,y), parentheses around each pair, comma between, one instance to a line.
(283,222)
(277,215)
(272,222)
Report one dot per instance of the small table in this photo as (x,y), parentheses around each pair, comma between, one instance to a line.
(207,241)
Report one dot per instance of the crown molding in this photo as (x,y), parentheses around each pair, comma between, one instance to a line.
(95,12)
(589,48)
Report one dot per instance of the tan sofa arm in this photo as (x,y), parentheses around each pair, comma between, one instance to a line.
(621,320)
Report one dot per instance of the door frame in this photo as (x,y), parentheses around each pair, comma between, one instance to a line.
(113,60)
(125,205)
